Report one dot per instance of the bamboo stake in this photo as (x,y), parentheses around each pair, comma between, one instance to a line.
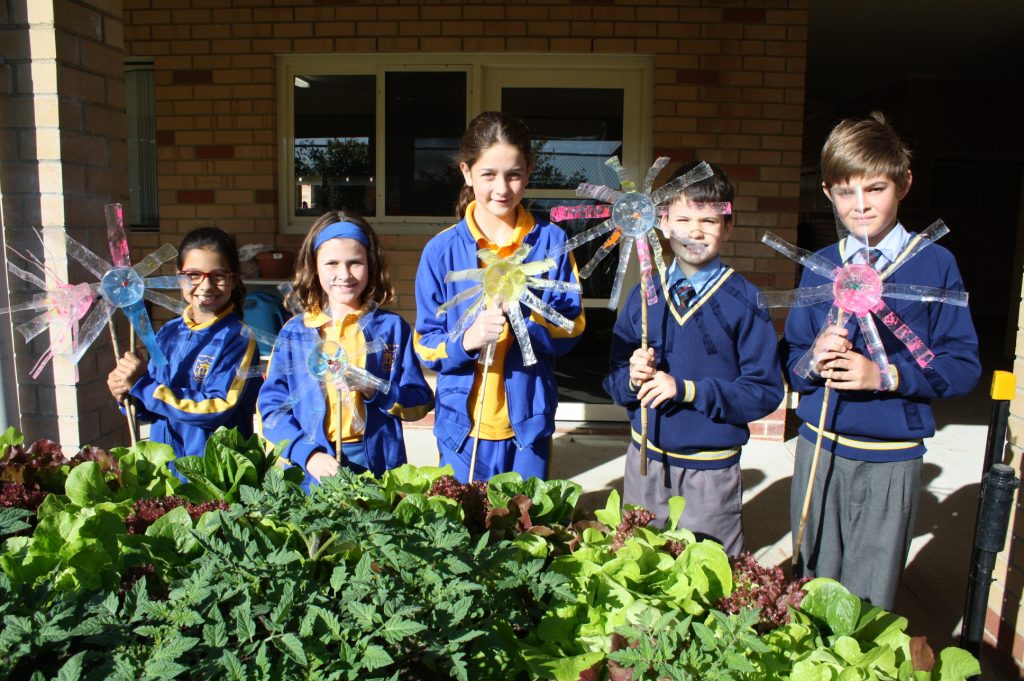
(486,359)
(337,416)
(643,409)
(814,465)
(125,400)
(134,421)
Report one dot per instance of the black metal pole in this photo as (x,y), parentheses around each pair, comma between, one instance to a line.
(1002,391)
(997,494)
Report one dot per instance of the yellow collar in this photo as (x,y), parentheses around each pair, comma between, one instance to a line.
(524,223)
(198,326)
(314,320)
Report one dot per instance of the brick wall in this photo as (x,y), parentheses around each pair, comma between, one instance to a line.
(729,87)
(62,157)
(1004,623)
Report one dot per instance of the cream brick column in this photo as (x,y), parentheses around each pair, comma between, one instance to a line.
(63,156)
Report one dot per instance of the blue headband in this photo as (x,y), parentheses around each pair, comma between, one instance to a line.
(340,230)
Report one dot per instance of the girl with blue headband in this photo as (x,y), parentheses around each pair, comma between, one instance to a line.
(340,280)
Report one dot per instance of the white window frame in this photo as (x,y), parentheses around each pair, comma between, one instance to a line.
(486,75)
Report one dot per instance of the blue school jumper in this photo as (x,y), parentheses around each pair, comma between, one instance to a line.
(888,426)
(721,350)
(204,385)
(531,391)
(408,399)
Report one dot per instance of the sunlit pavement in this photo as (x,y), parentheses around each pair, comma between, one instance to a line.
(932,592)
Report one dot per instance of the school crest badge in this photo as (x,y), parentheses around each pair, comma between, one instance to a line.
(387,359)
(202,367)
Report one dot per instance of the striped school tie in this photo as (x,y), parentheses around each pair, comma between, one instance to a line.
(683,293)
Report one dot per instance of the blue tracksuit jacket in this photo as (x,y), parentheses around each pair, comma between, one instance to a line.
(409,398)
(531,392)
(888,426)
(205,384)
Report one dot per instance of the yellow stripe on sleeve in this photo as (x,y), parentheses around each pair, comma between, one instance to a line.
(427,353)
(216,405)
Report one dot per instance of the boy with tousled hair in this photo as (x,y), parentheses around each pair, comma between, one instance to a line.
(868,480)
(709,370)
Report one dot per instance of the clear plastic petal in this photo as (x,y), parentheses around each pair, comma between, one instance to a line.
(659,255)
(154,260)
(556,285)
(170,281)
(361,377)
(605,249)
(925,294)
(115,235)
(465,275)
(458,299)
(467,318)
(94,323)
(175,305)
(536,267)
(929,235)
(40,301)
(816,263)
(620,272)
(518,324)
(669,189)
(875,349)
(582,238)
(546,311)
(373,346)
(652,172)
(798,297)
(922,355)
(33,327)
(598,192)
(26,275)
(626,183)
(89,260)
(805,365)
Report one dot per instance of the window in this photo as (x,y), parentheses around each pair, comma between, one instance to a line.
(377,134)
(140,98)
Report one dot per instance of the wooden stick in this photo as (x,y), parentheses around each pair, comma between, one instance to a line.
(134,421)
(337,414)
(486,359)
(814,465)
(643,409)
(124,401)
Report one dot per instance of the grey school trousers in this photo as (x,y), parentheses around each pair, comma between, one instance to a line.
(714,498)
(860,523)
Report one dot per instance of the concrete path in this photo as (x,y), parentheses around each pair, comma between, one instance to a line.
(932,592)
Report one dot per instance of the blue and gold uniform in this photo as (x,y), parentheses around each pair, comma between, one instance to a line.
(205,384)
(379,446)
(518,414)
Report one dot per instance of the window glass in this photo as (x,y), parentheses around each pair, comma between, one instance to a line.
(425,114)
(335,123)
(574,131)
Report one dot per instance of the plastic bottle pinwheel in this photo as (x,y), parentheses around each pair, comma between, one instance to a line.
(322,366)
(632,215)
(62,306)
(857,290)
(504,281)
(122,286)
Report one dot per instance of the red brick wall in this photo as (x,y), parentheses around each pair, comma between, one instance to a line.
(729,88)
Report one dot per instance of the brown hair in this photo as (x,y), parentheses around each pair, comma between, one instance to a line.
(306,289)
(482,133)
(213,238)
(715,189)
(865,147)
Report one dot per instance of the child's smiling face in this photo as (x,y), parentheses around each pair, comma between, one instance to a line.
(212,293)
(696,232)
(343,273)
(498,179)
(867,205)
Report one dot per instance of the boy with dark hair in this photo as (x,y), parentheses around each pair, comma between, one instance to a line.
(709,370)
(868,479)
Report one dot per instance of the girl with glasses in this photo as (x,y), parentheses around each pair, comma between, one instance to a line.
(208,381)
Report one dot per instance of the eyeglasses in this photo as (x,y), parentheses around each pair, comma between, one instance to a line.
(195,277)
